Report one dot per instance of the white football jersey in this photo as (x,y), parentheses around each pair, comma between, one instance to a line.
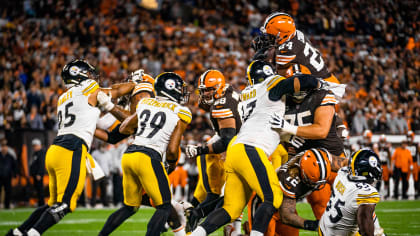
(257,109)
(107,122)
(75,115)
(157,120)
(340,217)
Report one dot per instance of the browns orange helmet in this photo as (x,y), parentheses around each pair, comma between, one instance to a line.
(315,167)
(280,26)
(211,86)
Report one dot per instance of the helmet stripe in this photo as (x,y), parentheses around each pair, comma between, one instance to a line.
(321,163)
(202,78)
(248,73)
(274,15)
(352,162)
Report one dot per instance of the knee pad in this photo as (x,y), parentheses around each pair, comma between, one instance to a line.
(58,211)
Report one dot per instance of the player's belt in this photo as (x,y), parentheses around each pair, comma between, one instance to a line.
(148,151)
(69,141)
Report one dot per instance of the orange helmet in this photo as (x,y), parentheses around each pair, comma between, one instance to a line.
(280,25)
(315,167)
(367,134)
(211,85)
(410,136)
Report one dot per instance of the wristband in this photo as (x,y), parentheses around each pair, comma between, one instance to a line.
(291,129)
(202,150)
(311,225)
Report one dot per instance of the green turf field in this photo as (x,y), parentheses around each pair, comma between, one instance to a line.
(397,218)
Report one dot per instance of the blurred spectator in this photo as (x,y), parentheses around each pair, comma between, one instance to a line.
(103,159)
(359,123)
(116,172)
(34,119)
(37,169)
(8,169)
(403,163)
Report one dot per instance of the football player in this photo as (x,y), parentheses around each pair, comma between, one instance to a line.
(309,122)
(65,160)
(221,101)
(158,125)
(351,209)
(384,153)
(247,166)
(415,151)
(283,45)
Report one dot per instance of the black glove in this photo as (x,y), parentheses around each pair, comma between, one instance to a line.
(311,225)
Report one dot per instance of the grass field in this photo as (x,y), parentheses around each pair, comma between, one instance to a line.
(396,217)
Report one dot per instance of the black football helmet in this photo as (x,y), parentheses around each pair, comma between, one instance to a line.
(78,70)
(364,165)
(171,85)
(258,71)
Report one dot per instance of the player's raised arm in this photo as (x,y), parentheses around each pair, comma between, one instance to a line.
(129,125)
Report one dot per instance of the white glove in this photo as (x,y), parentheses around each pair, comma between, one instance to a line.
(279,124)
(104,101)
(191,151)
(137,76)
(296,141)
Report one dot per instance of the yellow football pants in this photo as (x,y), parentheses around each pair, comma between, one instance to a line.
(211,176)
(143,172)
(67,174)
(248,169)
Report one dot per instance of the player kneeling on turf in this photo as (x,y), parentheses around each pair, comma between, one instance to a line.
(351,209)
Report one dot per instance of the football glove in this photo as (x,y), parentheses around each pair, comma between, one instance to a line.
(280,125)
(137,76)
(104,101)
(192,151)
(296,141)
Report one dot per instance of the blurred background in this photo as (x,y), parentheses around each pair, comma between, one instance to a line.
(372,46)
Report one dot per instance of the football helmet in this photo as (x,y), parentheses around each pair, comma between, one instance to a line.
(170,85)
(211,86)
(261,41)
(364,165)
(76,71)
(315,167)
(410,136)
(280,27)
(294,70)
(258,71)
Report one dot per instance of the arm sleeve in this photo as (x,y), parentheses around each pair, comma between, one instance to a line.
(115,136)
(226,134)
(286,86)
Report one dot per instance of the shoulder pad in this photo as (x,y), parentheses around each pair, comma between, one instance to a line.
(89,86)
(273,81)
(184,114)
(367,194)
(142,87)
(329,99)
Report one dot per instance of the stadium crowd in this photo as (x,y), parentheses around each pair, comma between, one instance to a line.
(369,45)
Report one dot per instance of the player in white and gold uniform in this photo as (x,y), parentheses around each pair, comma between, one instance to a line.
(158,125)
(247,166)
(351,209)
(65,160)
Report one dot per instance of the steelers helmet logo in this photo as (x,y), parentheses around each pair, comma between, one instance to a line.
(267,70)
(74,70)
(372,161)
(170,84)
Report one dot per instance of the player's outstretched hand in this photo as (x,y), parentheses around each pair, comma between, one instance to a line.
(104,101)
(280,125)
(137,76)
(191,151)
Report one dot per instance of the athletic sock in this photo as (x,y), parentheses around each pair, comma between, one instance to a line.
(117,218)
(33,218)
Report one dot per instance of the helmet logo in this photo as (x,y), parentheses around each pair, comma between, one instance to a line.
(372,161)
(170,84)
(267,70)
(74,70)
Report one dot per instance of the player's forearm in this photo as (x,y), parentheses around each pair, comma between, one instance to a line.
(314,131)
(119,113)
(289,215)
(118,90)
(101,134)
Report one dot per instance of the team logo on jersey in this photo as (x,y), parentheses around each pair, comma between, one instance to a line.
(170,84)
(372,161)
(74,70)
(267,70)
